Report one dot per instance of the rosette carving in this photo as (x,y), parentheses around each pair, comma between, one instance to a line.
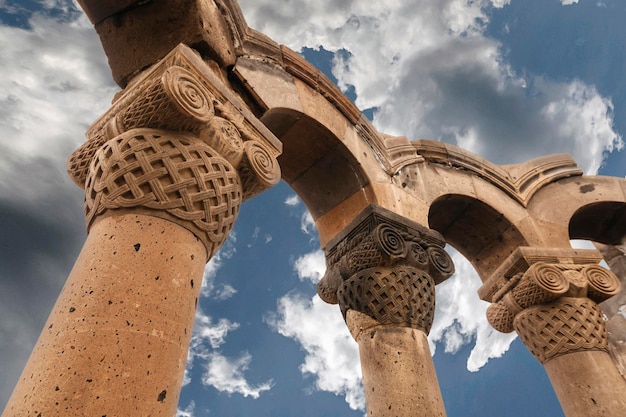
(223,136)
(177,177)
(440,261)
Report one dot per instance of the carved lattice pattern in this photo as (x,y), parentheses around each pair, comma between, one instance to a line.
(399,295)
(176,100)
(179,175)
(564,326)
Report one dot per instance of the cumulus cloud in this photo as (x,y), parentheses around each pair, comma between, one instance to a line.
(206,336)
(223,373)
(211,289)
(332,356)
(307,224)
(442,78)
(311,266)
(188,411)
(46,71)
(227,375)
(460,318)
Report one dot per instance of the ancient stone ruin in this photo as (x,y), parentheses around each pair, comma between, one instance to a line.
(212,113)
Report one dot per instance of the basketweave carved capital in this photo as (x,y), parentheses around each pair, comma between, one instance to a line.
(553,307)
(564,326)
(173,176)
(386,266)
(543,283)
(181,94)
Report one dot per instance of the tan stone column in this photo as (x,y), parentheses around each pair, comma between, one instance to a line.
(553,307)
(382,272)
(164,173)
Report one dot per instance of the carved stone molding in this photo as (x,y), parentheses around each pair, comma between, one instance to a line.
(386,266)
(519,181)
(564,326)
(181,94)
(173,176)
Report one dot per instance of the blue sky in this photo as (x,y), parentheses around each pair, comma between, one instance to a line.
(509,80)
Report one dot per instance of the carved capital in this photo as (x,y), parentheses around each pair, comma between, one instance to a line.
(564,326)
(181,94)
(553,306)
(386,266)
(173,176)
(400,295)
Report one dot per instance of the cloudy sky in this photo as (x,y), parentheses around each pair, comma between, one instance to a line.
(507,79)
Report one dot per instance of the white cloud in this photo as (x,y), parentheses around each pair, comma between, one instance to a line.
(219,291)
(292,200)
(207,332)
(220,372)
(224,292)
(311,266)
(441,77)
(332,356)
(460,318)
(227,375)
(568,2)
(205,337)
(188,411)
(307,224)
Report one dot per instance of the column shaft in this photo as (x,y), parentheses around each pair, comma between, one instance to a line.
(587,384)
(116,341)
(399,378)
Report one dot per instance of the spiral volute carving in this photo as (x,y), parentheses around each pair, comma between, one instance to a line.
(390,241)
(188,94)
(602,284)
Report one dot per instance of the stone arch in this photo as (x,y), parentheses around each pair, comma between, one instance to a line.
(478,231)
(314,162)
(603,222)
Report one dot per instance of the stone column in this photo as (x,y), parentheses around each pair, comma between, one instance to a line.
(382,272)
(553,308)
(164,173)
(615,307)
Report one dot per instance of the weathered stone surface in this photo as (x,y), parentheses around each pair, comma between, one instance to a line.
(196,79)
(587,384)
(398,373)
(116,341)
(137,37)
(380,271)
